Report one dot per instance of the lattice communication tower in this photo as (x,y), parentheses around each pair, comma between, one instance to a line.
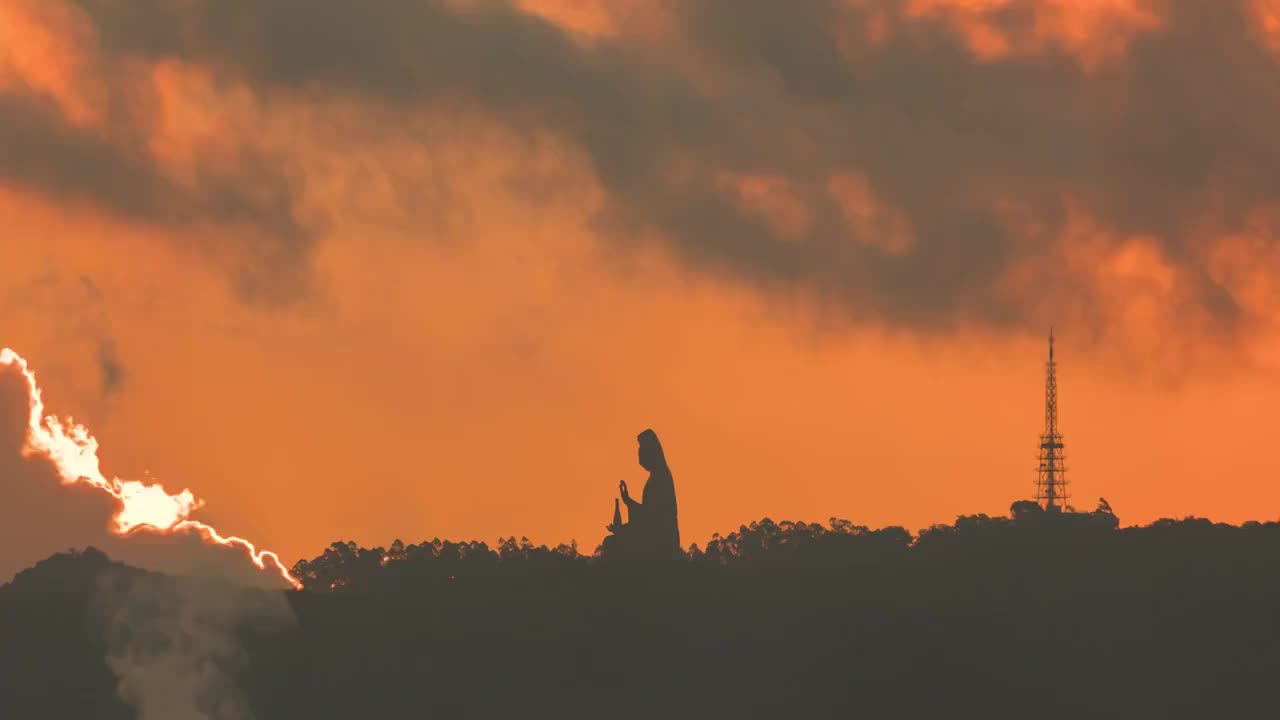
(1051,481)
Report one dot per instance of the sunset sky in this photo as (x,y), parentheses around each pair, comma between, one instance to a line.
(424,268)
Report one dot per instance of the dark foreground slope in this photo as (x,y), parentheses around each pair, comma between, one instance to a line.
(1039,617)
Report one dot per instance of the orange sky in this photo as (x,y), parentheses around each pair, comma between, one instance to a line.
(459,349)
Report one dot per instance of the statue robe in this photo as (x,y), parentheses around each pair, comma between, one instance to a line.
(655,517)
(652,532)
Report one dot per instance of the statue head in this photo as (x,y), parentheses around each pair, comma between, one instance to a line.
(650,454)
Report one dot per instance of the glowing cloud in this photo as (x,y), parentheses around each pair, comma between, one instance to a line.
(141,507)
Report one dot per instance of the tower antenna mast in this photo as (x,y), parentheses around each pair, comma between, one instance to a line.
(1051,480)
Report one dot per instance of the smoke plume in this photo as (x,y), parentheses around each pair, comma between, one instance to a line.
(175,643)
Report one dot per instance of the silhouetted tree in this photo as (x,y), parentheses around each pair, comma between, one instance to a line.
(986,616)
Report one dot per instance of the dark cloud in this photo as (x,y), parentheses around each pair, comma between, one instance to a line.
(112,168)
(1177,128)
(111,370)
(74,315)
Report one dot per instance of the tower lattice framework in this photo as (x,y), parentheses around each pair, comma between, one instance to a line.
(1051,480)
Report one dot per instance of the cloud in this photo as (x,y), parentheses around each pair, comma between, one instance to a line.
(73,314)
(39,515)
(984,137)
(43,152)
(107,148)
(111,368)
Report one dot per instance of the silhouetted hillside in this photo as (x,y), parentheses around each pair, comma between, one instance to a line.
(1034,615)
